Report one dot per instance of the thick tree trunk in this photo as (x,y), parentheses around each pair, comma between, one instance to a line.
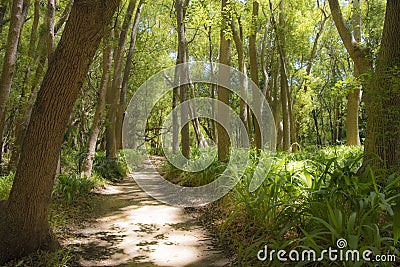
(382,99)
(223,142)
(10,58)
(24,225)
(98,115)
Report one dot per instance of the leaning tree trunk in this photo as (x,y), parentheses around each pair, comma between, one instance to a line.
(100,105)
(24,216)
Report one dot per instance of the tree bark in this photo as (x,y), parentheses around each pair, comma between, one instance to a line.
(223,142)
(382,99)
(254,76)
(50,29)
(183,75)
(24,226)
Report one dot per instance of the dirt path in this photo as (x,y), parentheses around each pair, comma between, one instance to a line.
(132,229)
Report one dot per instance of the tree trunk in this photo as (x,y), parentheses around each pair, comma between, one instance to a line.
(382,99)
(362,64)
(243,80)
(254,77)
(201,141)
(354,98)
(213,135)
(183,76)
(10,58)
(98,115)
(223,142)
(24,226)
(286,142)
(50,29)
(127,70)
(114,135)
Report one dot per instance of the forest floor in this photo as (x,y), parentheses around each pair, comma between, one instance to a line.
(122,226)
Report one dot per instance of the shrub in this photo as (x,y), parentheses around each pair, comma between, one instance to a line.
(70,186)
(308,200)
(110,169)
(6,182)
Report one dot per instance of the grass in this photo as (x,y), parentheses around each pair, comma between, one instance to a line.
(308,200)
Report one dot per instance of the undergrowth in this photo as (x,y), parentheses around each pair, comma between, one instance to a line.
(308,200)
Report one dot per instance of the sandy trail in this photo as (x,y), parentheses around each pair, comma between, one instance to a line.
(132,229)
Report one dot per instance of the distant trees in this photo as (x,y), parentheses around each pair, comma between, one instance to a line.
(17,18)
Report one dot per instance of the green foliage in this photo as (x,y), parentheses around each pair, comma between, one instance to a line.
(71,186)
(309,200)
(109,169)
(6,182)
(60,258)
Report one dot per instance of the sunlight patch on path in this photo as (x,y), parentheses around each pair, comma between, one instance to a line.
(133,229)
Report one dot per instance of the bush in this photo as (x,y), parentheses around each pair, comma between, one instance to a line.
(71,186)
(110,169)
(60,258)
(6,182)
(308,200)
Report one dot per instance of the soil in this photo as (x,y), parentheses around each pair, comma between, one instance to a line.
(126,227)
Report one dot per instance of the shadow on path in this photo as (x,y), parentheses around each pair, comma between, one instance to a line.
(132,229)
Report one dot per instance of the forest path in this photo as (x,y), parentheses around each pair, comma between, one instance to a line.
(130,228)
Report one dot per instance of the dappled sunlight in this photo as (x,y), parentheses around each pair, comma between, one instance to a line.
(131,228)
